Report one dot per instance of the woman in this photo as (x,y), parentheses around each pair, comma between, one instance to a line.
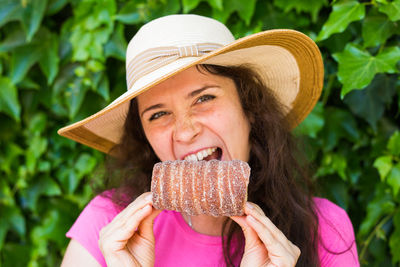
(194,92)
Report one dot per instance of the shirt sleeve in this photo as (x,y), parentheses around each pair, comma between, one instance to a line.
(97,214)
(337,245)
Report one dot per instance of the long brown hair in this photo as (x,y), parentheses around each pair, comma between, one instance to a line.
(279,181)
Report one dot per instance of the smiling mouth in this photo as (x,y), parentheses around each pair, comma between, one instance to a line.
(206,154)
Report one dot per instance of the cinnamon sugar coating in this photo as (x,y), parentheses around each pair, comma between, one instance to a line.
(217,188)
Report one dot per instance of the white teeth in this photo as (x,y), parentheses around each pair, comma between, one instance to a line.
(201,154)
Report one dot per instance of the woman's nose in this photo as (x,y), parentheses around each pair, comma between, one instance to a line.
(186,129)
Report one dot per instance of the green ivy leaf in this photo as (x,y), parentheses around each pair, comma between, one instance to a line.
(91,29)
(383,164)
(51,228)
(14,218)
(13,40)
(10,10)
(55,5)
(311,6)
(22,60)
(313,123)
(85,164)
(392,10)
(43,48)
(41,186)
(104,88)
(37,146)
(393,179)
(216,4)
(333,163)
(6,195)
(370,103)
(16,254)
(341,125)
(380,233)
(95,65)
(276,19)
(387,59)
(131,13)
(381,205)
(154,9)
(49,59)
(32,17)
(37,123)
(244,9)
(336,190)
(398,99)
(75,94)
(116,46)
(189,5)
(376,29)
(357,67)
(44,166)
(394,144)
(3,231)
(394,241)
(9,103)
(342,15)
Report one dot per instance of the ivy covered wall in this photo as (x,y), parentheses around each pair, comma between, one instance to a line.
(62,60)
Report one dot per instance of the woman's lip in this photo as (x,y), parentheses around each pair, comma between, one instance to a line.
(195,151)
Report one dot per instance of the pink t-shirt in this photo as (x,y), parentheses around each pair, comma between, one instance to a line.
(178,245)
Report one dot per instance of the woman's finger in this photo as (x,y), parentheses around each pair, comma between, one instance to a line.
(132,223)
(124,225)
(116,234)
(262,231)
(146,226)
(278,246)
(257,213)
(251,237)
(141,201)
(126,214)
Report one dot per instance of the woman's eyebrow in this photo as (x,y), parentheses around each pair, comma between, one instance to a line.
(198,91)
(156,106)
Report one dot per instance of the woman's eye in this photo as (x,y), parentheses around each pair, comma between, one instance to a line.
(205,98)
(157,115)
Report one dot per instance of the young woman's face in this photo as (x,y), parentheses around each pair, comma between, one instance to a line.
(195,115)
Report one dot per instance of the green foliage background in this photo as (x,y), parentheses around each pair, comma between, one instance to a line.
(62,60)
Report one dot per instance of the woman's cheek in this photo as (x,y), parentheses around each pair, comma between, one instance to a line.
(159,141)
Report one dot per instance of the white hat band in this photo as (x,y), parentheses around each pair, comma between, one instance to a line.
(154,58)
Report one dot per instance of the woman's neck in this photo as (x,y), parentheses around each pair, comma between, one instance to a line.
(207,225)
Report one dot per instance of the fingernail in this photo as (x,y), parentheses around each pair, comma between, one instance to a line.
(149,197)
(249,205)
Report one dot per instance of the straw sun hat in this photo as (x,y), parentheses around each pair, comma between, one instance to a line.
(289,62)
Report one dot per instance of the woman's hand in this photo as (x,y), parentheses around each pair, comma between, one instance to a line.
(128,240)
(265,244)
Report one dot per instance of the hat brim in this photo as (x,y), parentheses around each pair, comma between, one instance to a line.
(289,62)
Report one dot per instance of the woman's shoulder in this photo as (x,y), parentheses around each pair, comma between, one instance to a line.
(333,220)
(328,209)
(337,242)
(97,214)
(99,211)
(330,213)
(103,203)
